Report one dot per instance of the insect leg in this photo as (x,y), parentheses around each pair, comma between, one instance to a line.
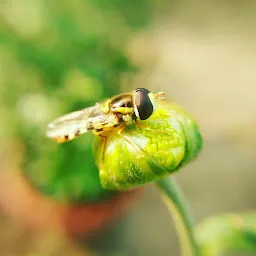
(121,128)
(104,147)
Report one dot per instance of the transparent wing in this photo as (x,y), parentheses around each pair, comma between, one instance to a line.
(71,125)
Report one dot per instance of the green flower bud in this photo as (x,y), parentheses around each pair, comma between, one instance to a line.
(147,150)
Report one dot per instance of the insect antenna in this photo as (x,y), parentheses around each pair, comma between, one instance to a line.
(160,96)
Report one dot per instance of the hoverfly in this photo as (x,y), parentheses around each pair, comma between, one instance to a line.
(103,118)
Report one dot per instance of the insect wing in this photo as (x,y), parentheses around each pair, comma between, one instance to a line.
(71,125)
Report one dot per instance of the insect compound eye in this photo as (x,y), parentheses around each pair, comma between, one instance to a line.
(143,104)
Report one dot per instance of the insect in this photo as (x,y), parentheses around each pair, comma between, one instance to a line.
(111,115)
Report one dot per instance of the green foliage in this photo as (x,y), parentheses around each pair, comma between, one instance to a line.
(227,232)
(63,58)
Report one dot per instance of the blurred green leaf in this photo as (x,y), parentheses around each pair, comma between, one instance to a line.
(74,58)
(227,232)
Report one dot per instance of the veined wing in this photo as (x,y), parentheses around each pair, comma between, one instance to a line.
(71,125)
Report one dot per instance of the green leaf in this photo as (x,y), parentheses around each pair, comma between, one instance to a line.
(227,232)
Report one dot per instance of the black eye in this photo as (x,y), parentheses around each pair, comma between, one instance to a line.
(143,103)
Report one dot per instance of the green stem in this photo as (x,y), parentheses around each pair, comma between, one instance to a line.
(178,207)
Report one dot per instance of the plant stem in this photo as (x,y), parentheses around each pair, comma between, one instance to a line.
(178,207)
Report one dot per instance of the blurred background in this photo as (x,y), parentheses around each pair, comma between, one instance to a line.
(62,56)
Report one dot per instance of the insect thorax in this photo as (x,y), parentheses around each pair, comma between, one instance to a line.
(122,104)
(121,107)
